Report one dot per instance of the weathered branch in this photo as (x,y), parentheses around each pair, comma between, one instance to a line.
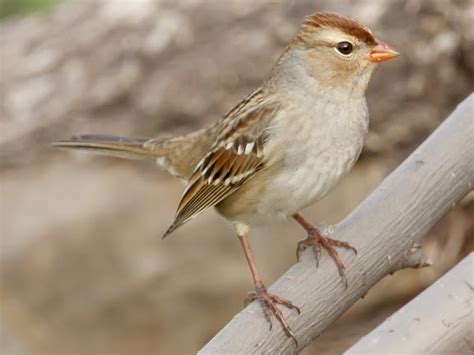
(415,328)
(386,229)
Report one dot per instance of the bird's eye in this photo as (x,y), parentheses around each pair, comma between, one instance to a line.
(344,47)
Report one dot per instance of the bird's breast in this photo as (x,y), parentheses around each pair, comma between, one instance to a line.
(317,147)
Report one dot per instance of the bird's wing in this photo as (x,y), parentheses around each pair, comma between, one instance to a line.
(232,161)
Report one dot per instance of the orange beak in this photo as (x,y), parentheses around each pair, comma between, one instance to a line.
(381,52)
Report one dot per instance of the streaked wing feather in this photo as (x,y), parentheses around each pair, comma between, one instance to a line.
(208,194)
(233,160)
(214,181)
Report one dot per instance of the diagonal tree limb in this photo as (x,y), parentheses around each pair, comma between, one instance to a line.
(416,329)
(387,229)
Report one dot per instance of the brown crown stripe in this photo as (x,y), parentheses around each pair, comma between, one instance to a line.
(345,24)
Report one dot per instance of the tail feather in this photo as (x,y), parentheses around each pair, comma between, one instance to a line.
(178,155)
(122,147)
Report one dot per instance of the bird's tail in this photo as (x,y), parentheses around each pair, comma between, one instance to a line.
(121,147)
(178,155)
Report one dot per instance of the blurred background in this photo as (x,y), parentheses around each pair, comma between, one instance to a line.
(83,268)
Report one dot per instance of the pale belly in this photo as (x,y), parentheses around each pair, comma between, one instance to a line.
(297,187)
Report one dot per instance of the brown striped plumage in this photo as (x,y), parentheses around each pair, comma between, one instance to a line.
(235,157)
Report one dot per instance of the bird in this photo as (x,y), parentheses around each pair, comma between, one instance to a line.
(280,149)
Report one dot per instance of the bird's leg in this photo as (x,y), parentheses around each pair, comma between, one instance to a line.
(316,240)
(267,301)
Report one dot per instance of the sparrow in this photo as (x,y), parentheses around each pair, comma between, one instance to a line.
(280,149)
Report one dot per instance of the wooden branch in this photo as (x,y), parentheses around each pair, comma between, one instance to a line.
(387,229)
(416,329)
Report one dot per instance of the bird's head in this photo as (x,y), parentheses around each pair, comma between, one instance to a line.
(338,51)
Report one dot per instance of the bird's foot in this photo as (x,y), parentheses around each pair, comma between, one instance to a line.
(269,303)
(316,240)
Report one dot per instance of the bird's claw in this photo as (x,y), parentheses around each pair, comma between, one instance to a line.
(316,240)
(269,303)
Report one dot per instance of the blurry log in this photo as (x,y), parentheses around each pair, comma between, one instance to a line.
(417,328)
(387,229)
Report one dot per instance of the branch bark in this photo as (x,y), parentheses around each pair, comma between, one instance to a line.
(387,229)
(416,329)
